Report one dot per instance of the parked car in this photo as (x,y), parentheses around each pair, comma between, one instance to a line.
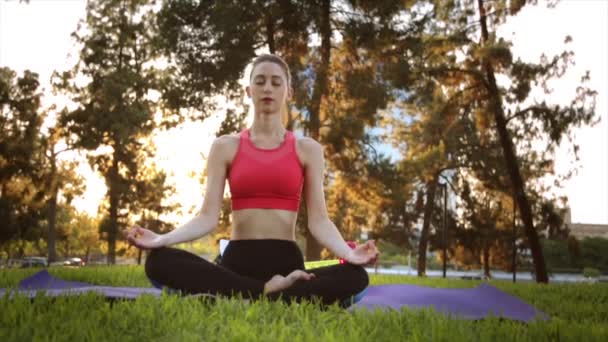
(34,262)
(74,262)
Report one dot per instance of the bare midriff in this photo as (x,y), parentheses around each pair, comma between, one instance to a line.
(254,224)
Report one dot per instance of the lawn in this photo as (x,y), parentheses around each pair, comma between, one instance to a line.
(578,312)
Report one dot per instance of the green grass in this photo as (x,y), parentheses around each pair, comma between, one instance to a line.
(578,312)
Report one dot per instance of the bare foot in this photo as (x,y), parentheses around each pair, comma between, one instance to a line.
(278,282)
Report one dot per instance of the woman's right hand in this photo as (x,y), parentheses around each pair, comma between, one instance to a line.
(144,238)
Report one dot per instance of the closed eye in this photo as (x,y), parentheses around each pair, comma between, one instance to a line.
(276,81)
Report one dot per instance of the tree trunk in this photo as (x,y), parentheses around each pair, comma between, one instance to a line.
(114,176)
(424,234)
(270,33)
(52,234)
(113,225)
(313,248)
(21,248)
(486,260)
(510,155)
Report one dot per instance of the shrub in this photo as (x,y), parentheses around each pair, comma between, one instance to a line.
(590,272)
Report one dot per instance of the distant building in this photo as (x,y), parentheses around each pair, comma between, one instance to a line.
(583,230)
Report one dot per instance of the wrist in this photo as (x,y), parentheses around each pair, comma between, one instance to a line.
(164,240)
(348,255)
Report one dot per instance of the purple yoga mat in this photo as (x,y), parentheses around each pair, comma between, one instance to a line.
(471,303)
(43,281)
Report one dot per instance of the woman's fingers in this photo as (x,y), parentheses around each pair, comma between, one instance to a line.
(131,233)
(372,252)
(134,234)
(371,247)
(135,231)
(299,274)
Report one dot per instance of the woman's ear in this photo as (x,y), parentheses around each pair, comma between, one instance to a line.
(248,91)
(289,93)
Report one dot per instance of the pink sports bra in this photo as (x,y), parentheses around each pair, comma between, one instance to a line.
(266,178)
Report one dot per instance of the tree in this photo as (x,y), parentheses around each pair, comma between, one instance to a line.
(209,44)
(59,177)
(350,90)
(433,140)
(460,53)
(556,121)
(77,233)
(219,39)
(21,198)
(390,191)
(149,201)
(115,112)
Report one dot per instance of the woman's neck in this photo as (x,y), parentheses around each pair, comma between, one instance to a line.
(267,125)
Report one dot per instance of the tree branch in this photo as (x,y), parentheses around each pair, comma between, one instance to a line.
(478,75)
(523,112)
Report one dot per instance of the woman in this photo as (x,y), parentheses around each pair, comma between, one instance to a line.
(268,169)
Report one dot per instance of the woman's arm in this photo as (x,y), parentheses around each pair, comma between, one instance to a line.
(319,224)
(206,220)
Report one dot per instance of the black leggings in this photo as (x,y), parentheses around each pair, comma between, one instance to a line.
(247,265)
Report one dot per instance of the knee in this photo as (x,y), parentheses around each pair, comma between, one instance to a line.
(359,278)
(154,263)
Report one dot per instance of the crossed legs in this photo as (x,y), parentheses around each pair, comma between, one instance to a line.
(184,271)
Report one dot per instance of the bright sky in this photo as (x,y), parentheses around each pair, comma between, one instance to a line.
(37,37)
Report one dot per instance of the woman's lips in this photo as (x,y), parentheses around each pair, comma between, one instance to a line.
(267,99)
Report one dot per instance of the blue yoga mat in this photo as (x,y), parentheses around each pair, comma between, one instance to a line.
(471,303)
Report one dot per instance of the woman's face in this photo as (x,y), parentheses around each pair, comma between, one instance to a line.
(268,88)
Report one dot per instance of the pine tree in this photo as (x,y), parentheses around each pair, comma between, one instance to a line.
(114,112)
(21,194)
(456,50)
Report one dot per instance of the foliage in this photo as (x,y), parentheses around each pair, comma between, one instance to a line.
(577,311)
(463,120)
(115,114)
(22,190)
(590,272)
(593,253)
(421,74)
(588,253)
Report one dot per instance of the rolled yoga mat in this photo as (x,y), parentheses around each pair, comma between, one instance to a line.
(471,303)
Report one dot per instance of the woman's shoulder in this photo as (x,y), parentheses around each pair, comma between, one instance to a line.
(308,149)
(308,144)
(226,144)
(227,139)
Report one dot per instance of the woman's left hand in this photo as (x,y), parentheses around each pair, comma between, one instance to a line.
(364,254)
